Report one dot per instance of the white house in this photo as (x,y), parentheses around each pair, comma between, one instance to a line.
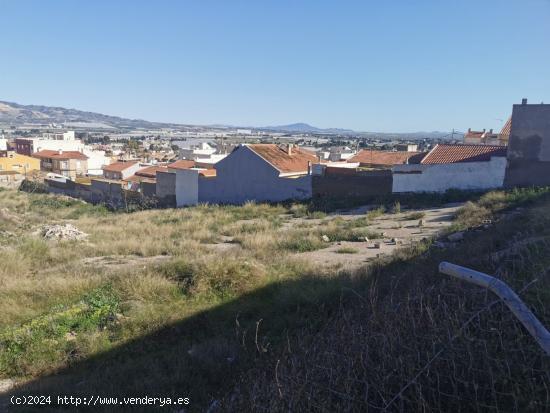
(468,167)
(122,170)
(96,161)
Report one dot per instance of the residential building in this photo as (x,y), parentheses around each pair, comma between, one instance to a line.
(203,153)
(96,161)
(69,164)
(256,172)
(468,167)
(11,161)
(489,137)
(60,136)
(121,170)
(181,164)
(529,146)
(145,180)
(28,146)
(336,153)
(407,147)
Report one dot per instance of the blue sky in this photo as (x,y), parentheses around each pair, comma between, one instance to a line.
(367,65)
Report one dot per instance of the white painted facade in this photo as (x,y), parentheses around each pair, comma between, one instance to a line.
(60,136)
(441,177)
(40,144)
(3,144)
(96,161)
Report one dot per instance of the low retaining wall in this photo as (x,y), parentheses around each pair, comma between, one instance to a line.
(352,183)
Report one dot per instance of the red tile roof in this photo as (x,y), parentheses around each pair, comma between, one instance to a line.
(506,129)
(137,178)
(118,166)
(181,164)
(208,172)
(441,154)
(278,157)
(473,134)
(46,153)
(151,171)
(383,158)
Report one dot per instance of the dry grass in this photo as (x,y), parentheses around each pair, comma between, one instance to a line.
(205,288)
(415,340)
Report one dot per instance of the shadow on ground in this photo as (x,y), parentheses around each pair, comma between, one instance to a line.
(200,357)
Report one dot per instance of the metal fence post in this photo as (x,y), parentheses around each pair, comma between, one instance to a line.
(507,295)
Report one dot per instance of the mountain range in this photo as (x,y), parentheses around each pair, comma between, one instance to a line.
(16,114)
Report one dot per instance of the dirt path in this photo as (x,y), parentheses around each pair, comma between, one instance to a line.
(394,226)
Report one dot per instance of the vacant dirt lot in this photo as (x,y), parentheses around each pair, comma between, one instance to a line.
(397,229)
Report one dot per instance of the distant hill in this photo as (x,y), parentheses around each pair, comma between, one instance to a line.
(15,113)
(305,128)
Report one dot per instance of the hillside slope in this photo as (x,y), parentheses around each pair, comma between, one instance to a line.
(15,113)
(215,304)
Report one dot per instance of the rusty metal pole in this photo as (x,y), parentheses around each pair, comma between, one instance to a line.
(507,295)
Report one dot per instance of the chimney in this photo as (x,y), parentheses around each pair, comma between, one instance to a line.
(469,130)
(309,167)
(524,101)
(60,151)
(290,148)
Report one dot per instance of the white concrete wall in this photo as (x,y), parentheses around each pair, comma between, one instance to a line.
(187,187)
(131,170)
(96,160)
(439,178)
(55,145)
(3,144)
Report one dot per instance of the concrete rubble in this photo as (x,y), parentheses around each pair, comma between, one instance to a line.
(65,232)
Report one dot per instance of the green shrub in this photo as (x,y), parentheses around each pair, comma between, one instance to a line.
(298,242)
(374,213)
(347,250)
(396,207)
(52,202)
(180,271)
(49,339)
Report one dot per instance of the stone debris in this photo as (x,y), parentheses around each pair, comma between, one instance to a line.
(325,238)
(62,232)
(6,385)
